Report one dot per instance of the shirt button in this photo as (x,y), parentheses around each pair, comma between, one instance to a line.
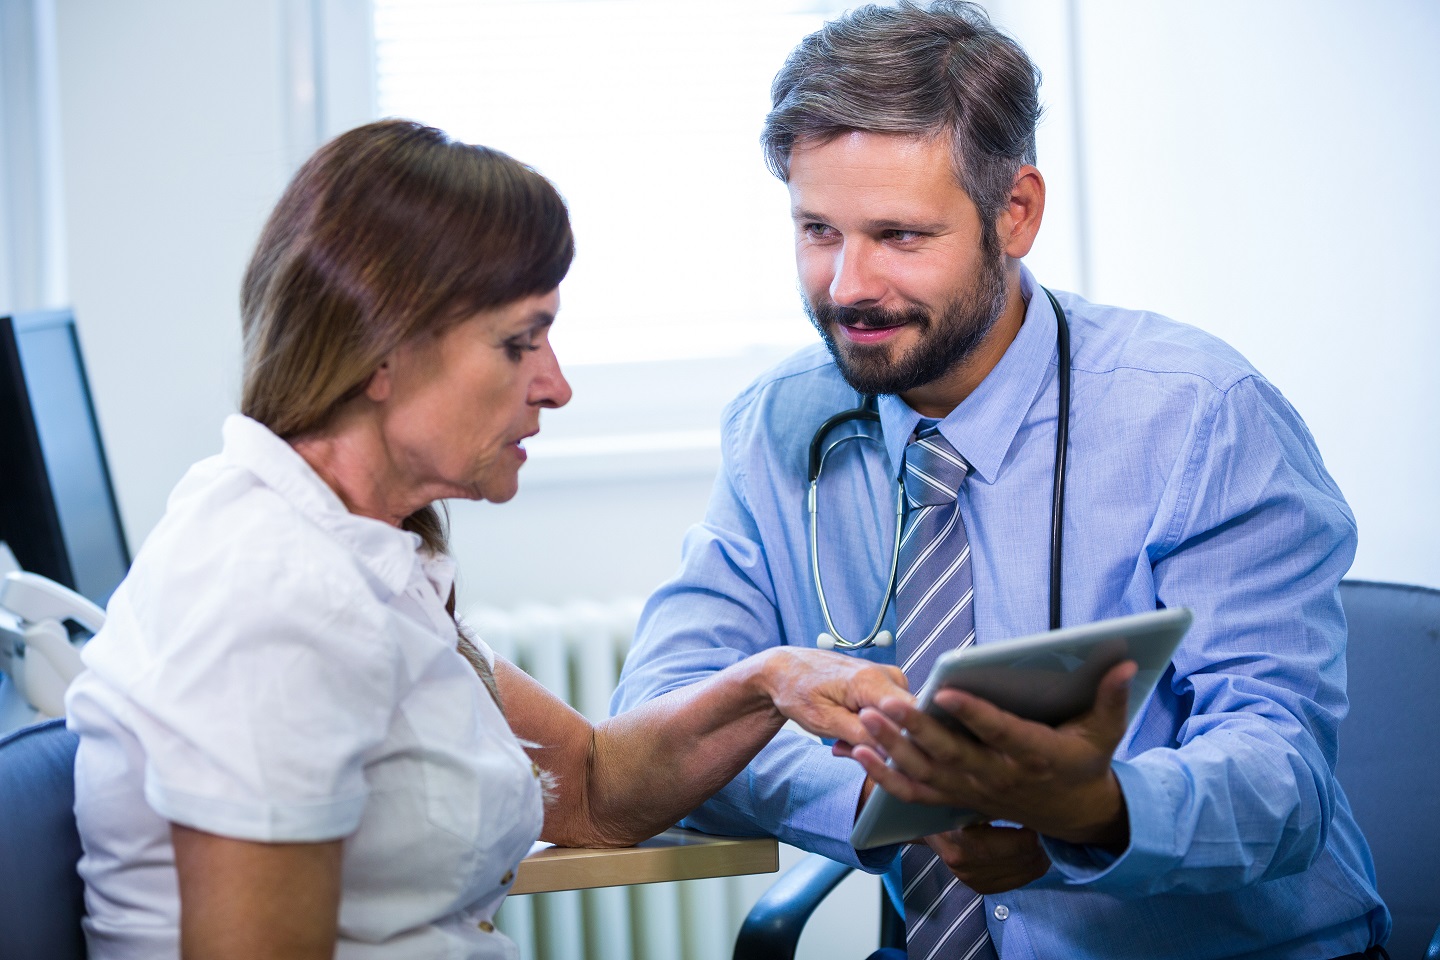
(1001,911)
(487,926)
(505,880)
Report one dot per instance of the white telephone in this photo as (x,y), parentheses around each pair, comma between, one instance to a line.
(35,646)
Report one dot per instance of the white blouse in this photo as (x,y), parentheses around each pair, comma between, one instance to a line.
(276,668)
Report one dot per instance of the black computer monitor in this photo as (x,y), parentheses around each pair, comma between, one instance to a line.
(57,506)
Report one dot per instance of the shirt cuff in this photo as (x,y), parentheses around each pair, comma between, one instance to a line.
(1149,853)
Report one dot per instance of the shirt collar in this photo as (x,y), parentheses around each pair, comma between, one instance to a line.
(389,553)
(983,427)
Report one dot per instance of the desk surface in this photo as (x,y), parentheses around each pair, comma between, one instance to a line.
(673,855)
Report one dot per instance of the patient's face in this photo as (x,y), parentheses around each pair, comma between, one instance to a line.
(463,402)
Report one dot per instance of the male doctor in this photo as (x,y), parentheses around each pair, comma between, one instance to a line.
(1214,827)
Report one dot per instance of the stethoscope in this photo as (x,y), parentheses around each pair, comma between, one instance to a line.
(868,412)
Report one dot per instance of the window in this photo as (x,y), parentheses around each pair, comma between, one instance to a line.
(646,114)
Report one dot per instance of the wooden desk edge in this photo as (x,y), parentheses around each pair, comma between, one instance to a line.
(673,855)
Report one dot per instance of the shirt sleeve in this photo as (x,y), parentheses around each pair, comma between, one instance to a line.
(719,609)
(264,701)
(1242,789)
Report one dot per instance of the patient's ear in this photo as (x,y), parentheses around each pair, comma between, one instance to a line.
(381,383)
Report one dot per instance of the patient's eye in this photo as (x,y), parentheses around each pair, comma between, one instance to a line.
(517,347)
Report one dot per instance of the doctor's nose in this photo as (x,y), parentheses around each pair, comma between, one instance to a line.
(855,282)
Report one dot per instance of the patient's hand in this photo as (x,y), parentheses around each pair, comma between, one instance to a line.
(824,691)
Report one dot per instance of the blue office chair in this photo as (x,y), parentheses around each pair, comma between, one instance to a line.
(41,896)
(1388,755)
(1387,766)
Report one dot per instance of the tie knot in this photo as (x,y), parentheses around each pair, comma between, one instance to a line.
(933,470)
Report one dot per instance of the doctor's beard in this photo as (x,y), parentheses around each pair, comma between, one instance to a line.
(945,340)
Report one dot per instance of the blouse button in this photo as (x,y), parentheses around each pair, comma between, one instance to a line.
(505,880)
(487,926)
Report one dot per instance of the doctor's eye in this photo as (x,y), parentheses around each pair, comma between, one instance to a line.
(901,236)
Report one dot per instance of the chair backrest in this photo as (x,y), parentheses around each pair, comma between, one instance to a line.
(41,896)
(1389,760)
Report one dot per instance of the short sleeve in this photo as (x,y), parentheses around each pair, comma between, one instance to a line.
(259,685)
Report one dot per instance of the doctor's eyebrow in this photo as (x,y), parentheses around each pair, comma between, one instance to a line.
(877,226)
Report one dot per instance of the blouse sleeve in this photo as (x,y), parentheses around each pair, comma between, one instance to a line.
(262,687)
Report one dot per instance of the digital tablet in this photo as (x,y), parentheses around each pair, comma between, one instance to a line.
(1049,677)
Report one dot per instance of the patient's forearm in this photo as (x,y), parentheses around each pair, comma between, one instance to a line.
(633,775)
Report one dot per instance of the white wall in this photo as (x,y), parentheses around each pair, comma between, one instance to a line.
(1265,171)
(174,151)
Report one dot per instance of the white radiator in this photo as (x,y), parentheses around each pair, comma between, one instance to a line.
(576,651)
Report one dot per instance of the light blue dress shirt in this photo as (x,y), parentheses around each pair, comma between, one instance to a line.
(1192,482)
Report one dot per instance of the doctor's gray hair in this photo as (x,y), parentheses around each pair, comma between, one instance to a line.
(932,70)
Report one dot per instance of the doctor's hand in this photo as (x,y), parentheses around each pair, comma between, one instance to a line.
(990,859)
(824,692)
(1054,780)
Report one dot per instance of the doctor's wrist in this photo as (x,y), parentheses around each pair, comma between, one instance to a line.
(1103,819)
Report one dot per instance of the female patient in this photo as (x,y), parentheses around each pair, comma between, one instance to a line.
(288,746)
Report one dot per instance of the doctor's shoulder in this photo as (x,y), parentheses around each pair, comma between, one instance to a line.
(1109,339)
(782,407)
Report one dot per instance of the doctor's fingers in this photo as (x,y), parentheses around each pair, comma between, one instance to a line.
(914,775)
(1098,730)
(992,859)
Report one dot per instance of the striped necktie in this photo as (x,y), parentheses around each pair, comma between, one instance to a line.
(943,917)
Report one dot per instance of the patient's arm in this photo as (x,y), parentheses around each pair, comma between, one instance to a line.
(633,775)
(241,899)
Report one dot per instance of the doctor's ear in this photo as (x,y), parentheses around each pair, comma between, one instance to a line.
(1019,222)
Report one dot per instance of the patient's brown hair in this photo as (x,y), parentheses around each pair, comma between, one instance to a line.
(390,231)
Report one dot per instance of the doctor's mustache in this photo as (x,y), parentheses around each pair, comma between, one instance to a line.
(875,318)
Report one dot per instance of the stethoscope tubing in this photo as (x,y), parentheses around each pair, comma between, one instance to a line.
(1062,445)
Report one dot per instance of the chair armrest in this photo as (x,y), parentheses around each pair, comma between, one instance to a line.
(772,927)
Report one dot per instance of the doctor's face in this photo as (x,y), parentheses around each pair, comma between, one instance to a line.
(466,399)
(898,274)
